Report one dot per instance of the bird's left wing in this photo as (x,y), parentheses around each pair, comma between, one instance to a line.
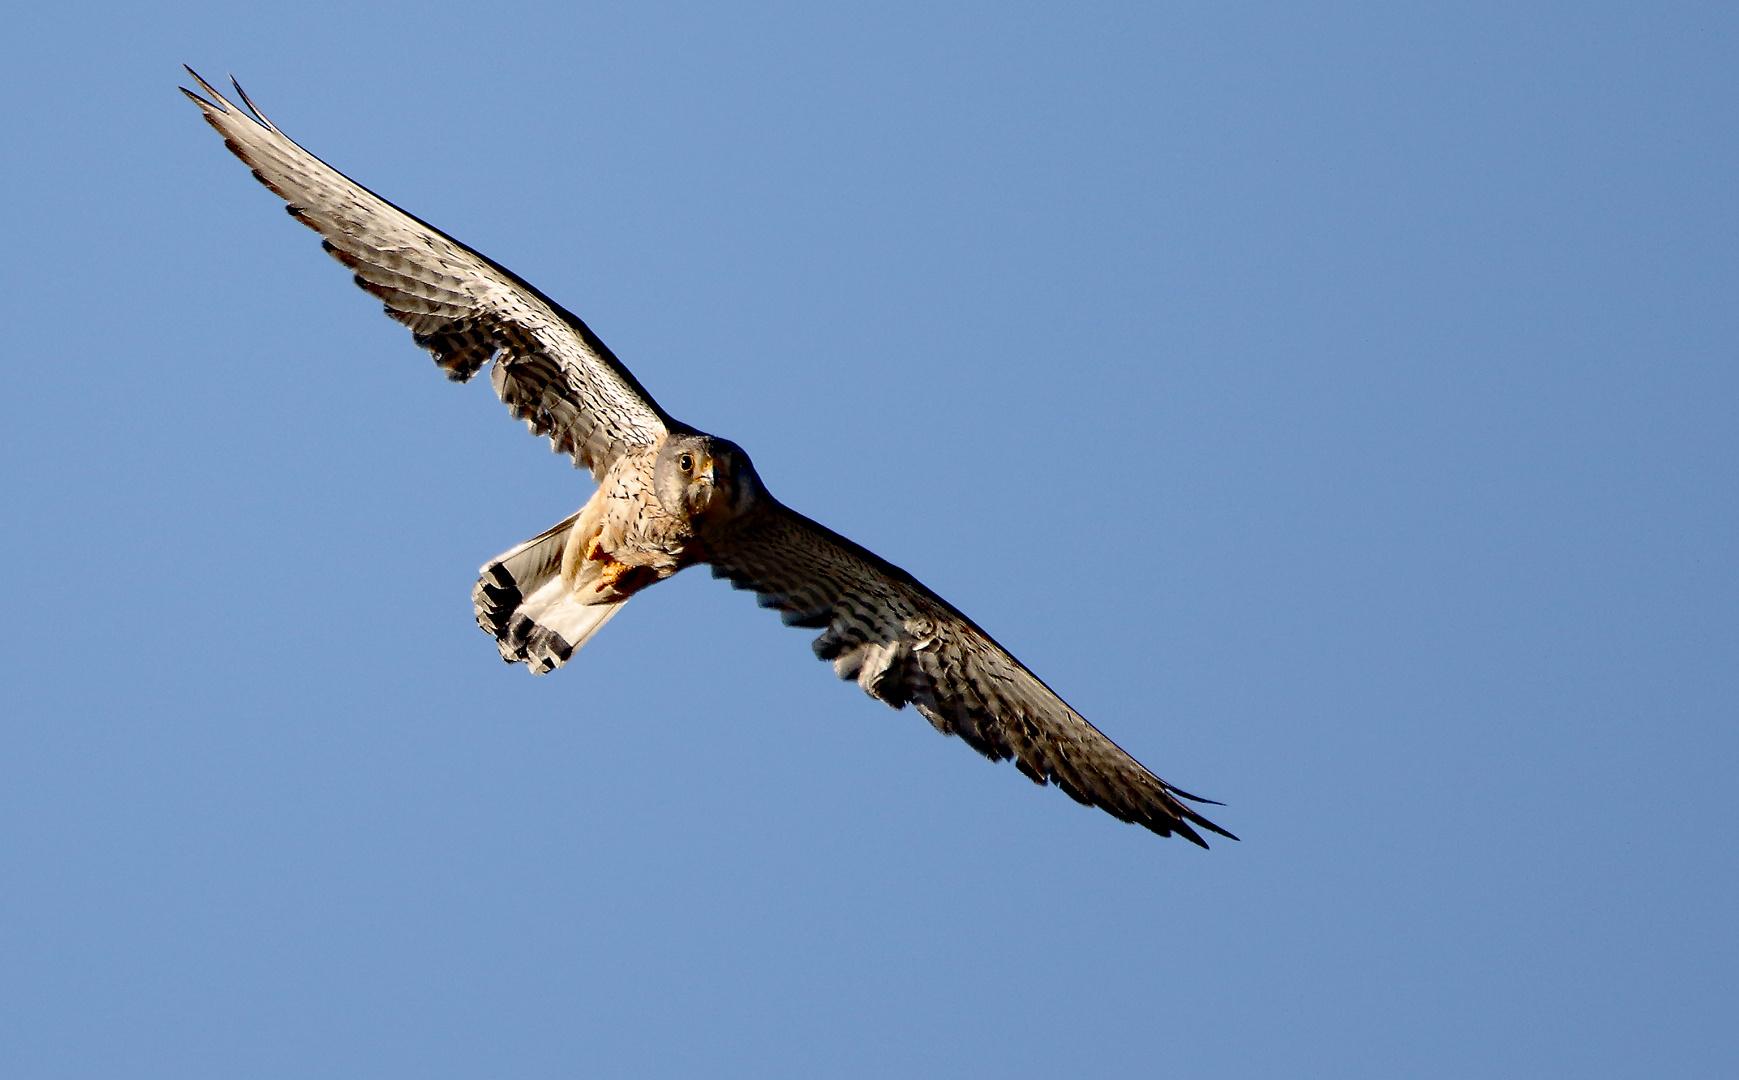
(463,307)
(905,645)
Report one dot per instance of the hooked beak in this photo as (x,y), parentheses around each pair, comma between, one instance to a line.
(715,484)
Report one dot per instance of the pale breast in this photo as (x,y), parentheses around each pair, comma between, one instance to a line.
(638,530)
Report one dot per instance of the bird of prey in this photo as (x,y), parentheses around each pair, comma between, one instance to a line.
(671,496)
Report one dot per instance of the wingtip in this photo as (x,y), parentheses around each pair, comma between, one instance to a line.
(1184,816)
(1182,794)
(1182,828)
(249,102)
(217,100)
(218,103)
(1211,827)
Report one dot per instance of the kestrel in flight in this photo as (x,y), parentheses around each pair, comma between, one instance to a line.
(670,496)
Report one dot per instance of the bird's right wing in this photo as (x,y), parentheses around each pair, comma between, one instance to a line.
(466,309)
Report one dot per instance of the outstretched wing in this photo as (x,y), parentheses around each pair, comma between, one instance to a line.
(905,645)
(466,309)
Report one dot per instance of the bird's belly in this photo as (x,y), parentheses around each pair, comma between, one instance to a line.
(617,549)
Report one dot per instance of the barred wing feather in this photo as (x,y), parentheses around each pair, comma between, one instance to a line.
(905,645)
(461,306)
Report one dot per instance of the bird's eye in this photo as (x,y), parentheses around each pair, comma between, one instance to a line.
(685,463)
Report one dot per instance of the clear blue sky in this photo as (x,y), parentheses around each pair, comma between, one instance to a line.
(1336,403)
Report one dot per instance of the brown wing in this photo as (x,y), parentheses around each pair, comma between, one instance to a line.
(550,369)
(904,644)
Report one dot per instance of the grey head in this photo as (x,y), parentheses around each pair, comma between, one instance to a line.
(703,479)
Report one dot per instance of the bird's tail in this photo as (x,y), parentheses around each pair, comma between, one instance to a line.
(523,602)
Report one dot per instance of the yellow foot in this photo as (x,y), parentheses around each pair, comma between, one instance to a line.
(618,581)
(611,574)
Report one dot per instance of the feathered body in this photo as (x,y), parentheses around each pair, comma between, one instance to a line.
(670,496)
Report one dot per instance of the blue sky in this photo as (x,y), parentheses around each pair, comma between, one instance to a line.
(1335,403)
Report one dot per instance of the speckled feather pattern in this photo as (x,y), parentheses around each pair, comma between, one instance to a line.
(550,369)
(542,600)
(905,645)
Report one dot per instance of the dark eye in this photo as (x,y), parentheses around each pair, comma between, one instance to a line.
(685,463)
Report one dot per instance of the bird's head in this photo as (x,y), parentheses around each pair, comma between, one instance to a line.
(700,478)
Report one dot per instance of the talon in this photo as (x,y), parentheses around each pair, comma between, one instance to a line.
(611,574)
